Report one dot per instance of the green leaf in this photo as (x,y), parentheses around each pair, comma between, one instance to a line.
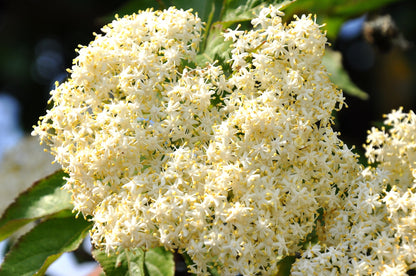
(232,12)
(159,262)
(132,262)
(285,265)
(204,8)
(47,263)
(356,7)
(333,62)
(126,262)
(42,199)
(216,48)
(188,261)
(245,10)
(36,250)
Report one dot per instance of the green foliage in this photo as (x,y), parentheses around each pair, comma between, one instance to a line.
(333,63)
(159,262)
(334,12)
(204,8)
(233,12)
(126,262)
(221,15)
(154,262)
(285,265)
(43,199)
(237,11)
(36,250)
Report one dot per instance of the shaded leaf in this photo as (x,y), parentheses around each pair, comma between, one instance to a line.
(232,12)
(132,262)
(285,265)
(243,10)
(216,48)
(356,7)
(37,249)
(204,8)
(188,261)
(43,198)
(211,269)
(333,62)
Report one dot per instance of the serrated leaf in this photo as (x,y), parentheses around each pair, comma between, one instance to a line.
(37,249)
(49,260)
(43,198)
(333,63)
(159,262)
(132,262)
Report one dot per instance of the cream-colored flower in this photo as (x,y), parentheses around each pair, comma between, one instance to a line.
(374,232)
(236,170)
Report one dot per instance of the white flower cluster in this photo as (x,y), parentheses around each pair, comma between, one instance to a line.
(375,231)
(236,171)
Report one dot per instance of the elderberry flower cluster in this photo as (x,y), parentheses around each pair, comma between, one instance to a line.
(236,170)
(374,233)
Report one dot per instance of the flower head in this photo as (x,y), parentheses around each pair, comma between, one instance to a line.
(374,231)
(236,170)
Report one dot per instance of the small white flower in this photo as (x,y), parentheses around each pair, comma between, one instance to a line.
(244,181)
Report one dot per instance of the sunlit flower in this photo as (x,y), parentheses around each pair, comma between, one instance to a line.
(236,170)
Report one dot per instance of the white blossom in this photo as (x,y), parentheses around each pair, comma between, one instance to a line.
(236,170)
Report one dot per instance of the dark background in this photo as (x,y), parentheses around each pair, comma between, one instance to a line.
(387,74)
(38,42)
(39,38)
